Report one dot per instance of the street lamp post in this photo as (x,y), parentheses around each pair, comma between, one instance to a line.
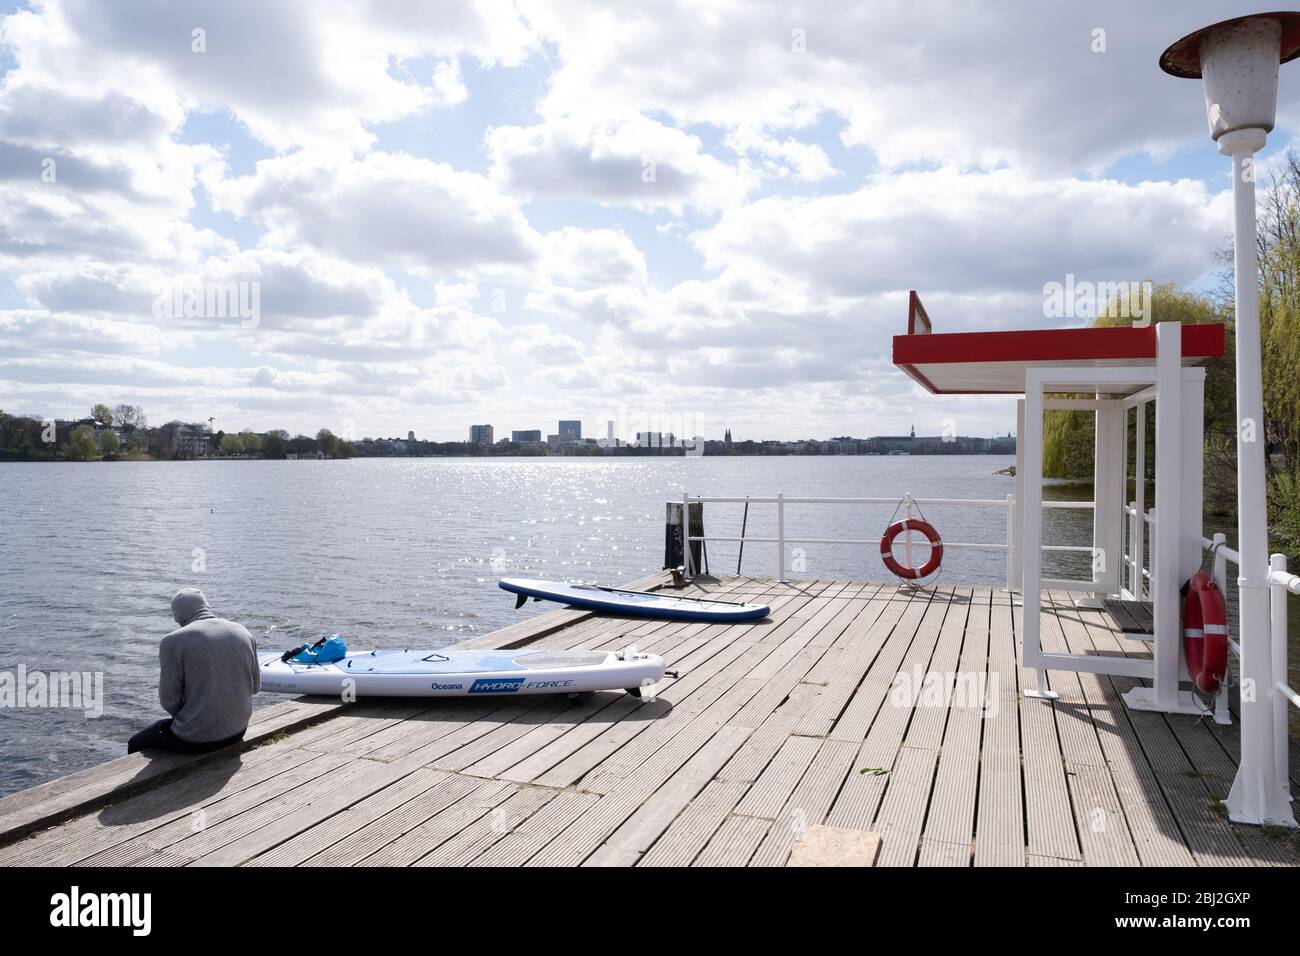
(1238,60)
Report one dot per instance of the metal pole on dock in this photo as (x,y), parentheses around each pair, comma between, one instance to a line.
(744,522)
(907,514)
(780,537)
(686,536)
(1238,60)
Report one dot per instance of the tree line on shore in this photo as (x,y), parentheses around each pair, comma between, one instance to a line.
(123,432)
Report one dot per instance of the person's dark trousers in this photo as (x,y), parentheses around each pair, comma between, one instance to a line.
(159,736)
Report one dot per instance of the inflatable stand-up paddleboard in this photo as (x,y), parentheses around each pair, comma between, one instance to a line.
(453,673)
(635,603)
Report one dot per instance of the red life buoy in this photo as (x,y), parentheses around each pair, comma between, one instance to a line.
(902,570)
(1205,632)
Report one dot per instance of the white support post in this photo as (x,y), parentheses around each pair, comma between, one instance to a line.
(1125,527)
(1191,466)
(1018,565)
(1031,535)
(1134,559)
(1108,498)
(1140,495)
(1277,598)
(1150,576)
(1101,447)
(1166,536)
(1011,542)
(686,537)
(1114,523)
(1219,571)
(1257,794)
(780,537)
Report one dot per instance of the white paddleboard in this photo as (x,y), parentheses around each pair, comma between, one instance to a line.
(634,603)
(468,673)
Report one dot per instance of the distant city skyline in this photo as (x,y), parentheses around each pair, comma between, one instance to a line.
(625,429)
(571,430)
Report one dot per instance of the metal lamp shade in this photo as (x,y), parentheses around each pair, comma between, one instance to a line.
(1239,64)
(1238,60)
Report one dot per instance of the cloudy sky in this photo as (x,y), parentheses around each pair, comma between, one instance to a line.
(702,214)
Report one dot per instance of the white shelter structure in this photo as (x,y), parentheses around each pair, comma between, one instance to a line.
(1123,370)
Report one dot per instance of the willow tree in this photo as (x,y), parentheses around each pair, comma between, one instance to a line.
(1068,436)
(1279,307)
(82,446)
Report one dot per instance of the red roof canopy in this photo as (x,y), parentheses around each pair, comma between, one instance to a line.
(963,363)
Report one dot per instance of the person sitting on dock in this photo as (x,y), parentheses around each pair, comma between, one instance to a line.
(209,676)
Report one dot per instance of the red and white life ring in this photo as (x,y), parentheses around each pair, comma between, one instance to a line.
(902,570)
(1205,632)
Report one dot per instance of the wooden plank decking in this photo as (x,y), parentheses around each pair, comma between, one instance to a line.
(770,727)
(1131,617)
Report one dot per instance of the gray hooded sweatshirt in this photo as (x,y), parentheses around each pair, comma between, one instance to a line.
(209,672)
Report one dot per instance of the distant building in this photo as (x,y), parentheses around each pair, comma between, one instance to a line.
(570,431)
(480,434)
(410,436)
(528,435)
(892,444)
(656,439)
(609,431)
(193,441)
(64,427)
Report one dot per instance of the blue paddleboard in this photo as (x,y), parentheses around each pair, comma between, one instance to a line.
(634,603)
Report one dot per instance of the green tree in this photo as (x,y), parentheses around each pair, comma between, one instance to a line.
(82,446)
(107,441)
(164,440)
(328,442)
(275,444)
(231,444)
(20,436)
(102,414)
(303,447)
(129,416)
(1068,436)
(1279,314)
(251,439)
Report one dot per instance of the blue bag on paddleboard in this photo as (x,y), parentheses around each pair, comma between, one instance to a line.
(325,651)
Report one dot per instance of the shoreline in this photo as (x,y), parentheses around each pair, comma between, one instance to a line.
(594,456)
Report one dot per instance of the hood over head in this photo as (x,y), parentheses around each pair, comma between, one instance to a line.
(188,605)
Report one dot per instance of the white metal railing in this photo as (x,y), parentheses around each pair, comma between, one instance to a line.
(1281,583)
(907,502)
(1133,556)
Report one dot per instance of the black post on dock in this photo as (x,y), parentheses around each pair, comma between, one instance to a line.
(674,556)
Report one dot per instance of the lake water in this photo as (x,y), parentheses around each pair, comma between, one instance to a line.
(401,552)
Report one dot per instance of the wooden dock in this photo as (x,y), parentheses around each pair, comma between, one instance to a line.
(771,727)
